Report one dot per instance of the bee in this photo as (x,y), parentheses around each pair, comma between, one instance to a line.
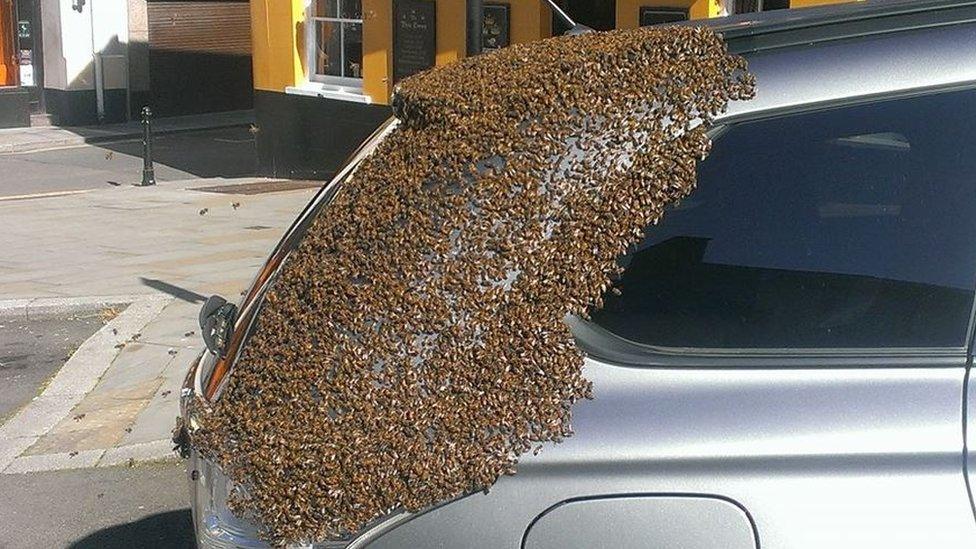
(412,347)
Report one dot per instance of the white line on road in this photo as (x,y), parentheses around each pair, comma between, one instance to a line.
(44,195)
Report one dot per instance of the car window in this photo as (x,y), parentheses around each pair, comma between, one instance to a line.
(847,228)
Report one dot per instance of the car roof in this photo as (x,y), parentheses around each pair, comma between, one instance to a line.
(779,28)
(816,57)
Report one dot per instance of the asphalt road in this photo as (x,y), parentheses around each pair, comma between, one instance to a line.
(226,152)
(141,506)
(33,351)
(112,507)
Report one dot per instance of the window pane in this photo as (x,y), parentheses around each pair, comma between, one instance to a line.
(351,9)
(841,229)
(328,53)
(8,59)
(327,8)
(353,45)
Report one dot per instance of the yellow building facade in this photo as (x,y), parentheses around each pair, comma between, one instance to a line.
(324,70)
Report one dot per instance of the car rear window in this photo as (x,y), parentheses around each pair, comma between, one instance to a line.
(847,228)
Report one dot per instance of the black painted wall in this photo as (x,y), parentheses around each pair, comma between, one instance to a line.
(80,107)
(309,137)
(14,108)
(192,82)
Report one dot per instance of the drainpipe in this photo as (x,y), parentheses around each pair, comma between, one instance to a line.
(97,64)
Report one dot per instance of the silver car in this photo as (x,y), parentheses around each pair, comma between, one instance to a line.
(787,362)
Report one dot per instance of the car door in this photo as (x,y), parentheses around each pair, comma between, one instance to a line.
(784,363)
(813,300)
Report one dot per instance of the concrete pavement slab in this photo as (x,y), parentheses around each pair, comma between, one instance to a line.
(39,416)
(167,258)
(96,427)
(54,462)
(71,245)
(81,372)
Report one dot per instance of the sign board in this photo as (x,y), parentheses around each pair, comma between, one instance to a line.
(27,75)
(414,37)
(656,16)
(495,27)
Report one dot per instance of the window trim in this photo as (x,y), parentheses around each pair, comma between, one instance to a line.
(616,349)
(341,84)
(630,352)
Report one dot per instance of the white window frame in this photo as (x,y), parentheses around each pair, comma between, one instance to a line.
(343,85)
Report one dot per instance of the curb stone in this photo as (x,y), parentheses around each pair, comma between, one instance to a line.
(74,380)
(45,306)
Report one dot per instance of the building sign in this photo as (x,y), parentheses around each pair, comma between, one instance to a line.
(23,29)
(656,16)
(27,75)
(495,27)
(26,68)
(414,37)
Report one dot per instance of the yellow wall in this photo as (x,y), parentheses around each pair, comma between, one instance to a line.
(277,43)
(278,35)
(377,60)
(451,32)
(530,20)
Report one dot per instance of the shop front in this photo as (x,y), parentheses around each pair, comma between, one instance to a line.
(324,70)
(16,67)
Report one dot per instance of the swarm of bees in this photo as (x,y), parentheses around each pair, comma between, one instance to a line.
(413,346)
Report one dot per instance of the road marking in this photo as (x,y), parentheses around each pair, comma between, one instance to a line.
(43,195)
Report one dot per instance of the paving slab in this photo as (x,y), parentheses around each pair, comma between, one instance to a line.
(118,396)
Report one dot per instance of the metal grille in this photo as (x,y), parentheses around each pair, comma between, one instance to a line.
(211,27)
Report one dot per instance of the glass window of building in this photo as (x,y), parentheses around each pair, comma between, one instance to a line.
(337,55)
(8,57)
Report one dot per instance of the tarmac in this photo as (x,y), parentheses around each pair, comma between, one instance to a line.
(152,255)
(16,140)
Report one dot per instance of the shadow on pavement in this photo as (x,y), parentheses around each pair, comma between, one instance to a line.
(221,152)
(170,529)
(179,293)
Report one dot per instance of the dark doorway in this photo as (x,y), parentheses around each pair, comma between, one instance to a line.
(29,55)
(596,14)
(748,6)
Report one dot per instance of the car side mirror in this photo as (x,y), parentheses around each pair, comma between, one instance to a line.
(217,323)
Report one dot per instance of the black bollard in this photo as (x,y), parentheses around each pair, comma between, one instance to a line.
(148,175)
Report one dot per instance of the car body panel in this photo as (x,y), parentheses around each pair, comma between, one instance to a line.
(827,73)
(820,457)
(823,449)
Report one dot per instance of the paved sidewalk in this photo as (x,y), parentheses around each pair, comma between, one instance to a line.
(51,137)
(156,253)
